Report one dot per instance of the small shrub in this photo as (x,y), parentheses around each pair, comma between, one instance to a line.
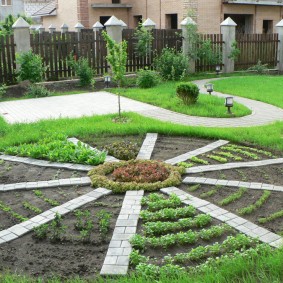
(259,68)
(104,221)
(171,65)
(83,71)
(41,231)
(57,229)
(35,91)
(3,89)
(31,67)
(147,78)
(123,150)
(188,92)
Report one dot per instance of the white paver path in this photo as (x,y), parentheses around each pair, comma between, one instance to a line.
(99,103)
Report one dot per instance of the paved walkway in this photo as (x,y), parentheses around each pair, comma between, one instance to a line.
(99,103)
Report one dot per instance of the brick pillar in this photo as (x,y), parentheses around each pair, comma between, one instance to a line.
(83,12)
(228,31)
(279,27)
(187,45)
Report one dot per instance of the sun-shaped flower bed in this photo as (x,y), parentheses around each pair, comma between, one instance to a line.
(145,175)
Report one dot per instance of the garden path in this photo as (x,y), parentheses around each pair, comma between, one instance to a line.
(100,103)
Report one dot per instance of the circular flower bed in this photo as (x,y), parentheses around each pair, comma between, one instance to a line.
(145,175)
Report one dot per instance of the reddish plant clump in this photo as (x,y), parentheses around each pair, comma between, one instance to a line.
(141,173)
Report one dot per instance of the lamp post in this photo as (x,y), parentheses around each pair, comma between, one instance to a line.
(209,88)
(229,104)
(107,80)
(217,69)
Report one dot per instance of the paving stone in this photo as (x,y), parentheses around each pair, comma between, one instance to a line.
(114,270)
(18,230)
(115,251)
(123,260)
(147,147)
(277,244)
(9,237)
(115,244)
(270,237)
(110,259)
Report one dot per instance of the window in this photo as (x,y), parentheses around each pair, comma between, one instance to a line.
(104,19)
(171,21)
(137,20)
(6,2)
(116,1)
(267,26)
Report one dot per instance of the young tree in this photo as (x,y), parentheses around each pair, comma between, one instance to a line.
(117,58)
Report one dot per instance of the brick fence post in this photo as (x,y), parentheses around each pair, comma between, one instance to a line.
(114,29)
(279,27)
(228,31)
(186,44)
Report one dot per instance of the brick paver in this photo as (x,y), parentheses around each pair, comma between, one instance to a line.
(99,103)
(232,183)
(18,230)
(196,152)
(239,223)
(233,165)
(118,255)
(147,146)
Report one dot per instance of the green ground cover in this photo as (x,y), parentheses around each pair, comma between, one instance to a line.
(262,88)
(164,95)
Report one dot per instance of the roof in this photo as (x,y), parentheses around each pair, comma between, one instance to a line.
(47,10)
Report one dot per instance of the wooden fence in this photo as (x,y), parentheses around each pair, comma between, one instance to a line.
(7,60)
(256,47)
(203,65)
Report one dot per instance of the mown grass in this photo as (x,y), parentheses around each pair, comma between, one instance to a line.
(270,136)
(264,268)
(164,95)
(262,88)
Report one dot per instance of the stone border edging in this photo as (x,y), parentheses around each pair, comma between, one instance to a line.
(226,166)
(45,163)
(83,181)
(19,230)
(248,185)
(147,146)
(118,255)
(109,158)
(196,152)
(239,223)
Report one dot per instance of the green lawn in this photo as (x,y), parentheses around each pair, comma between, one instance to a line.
(268,89)
(164,95)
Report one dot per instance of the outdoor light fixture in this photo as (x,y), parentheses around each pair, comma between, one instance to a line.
(209,88)
(107,80)
(217,69)
(229,103)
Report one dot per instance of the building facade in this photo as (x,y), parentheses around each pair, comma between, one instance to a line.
(13,7)
(251,16)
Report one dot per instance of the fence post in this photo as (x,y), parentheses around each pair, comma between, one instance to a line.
(149,24)
(78,28)
(114,29)
(41,29)
(97,27)
(279,27)
(123,24)
(186,44)
(52,29)
(228,31)
(64,28)
(21,35)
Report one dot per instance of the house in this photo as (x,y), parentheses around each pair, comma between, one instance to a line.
(251,16)
(13,7)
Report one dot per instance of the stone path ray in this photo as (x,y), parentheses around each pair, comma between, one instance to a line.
(19,230)
(233,165)
(248,185)
(147,146)
(239,223)
(196,152)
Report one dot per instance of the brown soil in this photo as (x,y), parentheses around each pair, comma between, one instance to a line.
(68,258)
(12,172)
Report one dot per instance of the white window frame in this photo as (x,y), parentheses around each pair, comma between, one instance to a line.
(5,3)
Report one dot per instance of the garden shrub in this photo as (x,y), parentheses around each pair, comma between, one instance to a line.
(259,68)
(147,78)
(123,150)
(171,64)
(188,92)
(35,91)
(83,71)
(3,89)
(31,67)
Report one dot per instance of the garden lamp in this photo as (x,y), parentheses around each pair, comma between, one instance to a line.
(217,69)
(107,80)
(229,103)
(209,88)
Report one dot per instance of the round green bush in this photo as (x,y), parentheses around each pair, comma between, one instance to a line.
(147,78)
(188,92)
(101,177)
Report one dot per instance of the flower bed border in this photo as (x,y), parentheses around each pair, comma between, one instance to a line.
(99,179)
